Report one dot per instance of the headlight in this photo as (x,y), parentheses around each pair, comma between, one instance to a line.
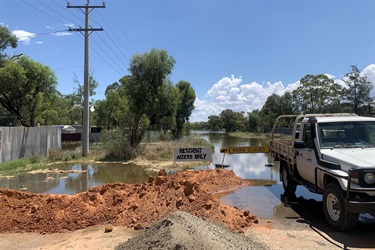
(369,178)
(355,180)
(354,176)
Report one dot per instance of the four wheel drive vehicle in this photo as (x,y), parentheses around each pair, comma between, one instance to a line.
(332,155)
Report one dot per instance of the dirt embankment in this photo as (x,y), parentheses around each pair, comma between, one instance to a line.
(136,206)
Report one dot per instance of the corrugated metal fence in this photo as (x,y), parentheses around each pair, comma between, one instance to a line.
(19,142)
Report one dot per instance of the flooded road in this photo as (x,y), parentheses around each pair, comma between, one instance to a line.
(263,197)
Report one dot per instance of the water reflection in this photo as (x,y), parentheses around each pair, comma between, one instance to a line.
(80,178)
(247,166)
(261,200)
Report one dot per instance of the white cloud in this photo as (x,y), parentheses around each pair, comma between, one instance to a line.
(203,110)
(49,27)
(64,33)
(38,42)
(369,72)
(23,36)
(232,93)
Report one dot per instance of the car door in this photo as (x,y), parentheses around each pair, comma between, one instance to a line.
(305,158)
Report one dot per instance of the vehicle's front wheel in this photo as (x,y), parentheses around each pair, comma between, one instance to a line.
(334,209)
(289,184)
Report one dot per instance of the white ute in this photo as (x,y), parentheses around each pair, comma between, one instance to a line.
(332,155)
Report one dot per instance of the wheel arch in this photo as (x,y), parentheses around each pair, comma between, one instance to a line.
(332,179)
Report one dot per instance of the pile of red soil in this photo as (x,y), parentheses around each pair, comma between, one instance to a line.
(132,205)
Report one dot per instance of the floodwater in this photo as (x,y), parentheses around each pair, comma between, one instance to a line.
(76,178)
(265,195)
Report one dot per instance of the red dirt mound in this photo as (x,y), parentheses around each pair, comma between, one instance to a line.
(132,205)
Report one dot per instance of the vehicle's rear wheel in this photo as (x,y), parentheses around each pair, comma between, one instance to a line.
(289,184)
(334,209)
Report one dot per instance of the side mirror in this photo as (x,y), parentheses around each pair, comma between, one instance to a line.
(299,144)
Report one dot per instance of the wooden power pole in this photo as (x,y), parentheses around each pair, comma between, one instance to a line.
(86,87)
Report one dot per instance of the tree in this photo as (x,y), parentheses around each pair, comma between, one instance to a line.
(55,109)
(270,111)
(214,123)
(142,88)
(358,89)
(6,118)
(7,39)
(186,99)
(162,114)
(23,82)
(233,121)
(77,97)
(112,111)
(254,122)
(315,92)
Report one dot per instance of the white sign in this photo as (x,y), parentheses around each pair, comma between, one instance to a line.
(192,154)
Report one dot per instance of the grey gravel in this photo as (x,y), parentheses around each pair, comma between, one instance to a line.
(184,231)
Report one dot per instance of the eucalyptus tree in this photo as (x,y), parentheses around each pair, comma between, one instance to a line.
(315,92)
(185,106)
(269,112)
(162,114)
(143,87)
(233,121)
(7,39)
(214,123)
(111,111)
(54,109)
(254,122)
(357,91)
(23,82)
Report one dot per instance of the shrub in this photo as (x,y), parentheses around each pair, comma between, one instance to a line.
(55,154)
(117,145)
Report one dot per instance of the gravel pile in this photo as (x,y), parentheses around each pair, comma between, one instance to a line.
(183,231)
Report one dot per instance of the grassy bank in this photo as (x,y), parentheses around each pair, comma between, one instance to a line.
(261,136)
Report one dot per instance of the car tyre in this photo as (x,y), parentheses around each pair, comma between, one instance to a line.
(289,184)
(334,209)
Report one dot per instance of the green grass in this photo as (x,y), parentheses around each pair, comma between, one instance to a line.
(21,166)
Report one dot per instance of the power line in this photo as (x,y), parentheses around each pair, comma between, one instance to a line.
(123,31)
(111,65)
(112,50)
(72,67)
(41,11)
(55,11)
(42,34)
(106,54)
(117,38)
(79,18)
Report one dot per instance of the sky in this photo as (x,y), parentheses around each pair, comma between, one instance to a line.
(234,53)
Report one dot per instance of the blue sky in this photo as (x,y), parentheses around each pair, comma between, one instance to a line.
(234,53)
